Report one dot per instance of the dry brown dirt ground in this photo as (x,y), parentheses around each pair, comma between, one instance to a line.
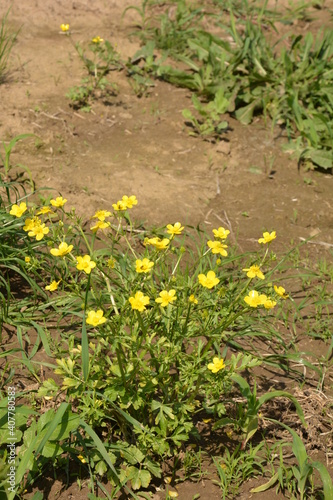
(142,147)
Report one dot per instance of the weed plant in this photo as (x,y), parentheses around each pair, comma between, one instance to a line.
(144,331)
(7,40)
(287,81)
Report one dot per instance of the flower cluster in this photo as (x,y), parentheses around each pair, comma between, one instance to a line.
(125,203)
(216,246)
(35,228)
(254,299)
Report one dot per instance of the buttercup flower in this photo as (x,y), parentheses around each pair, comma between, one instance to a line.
(64,27)
(166,298)
(193,299)
(39,230)
(29,224)
(97,39)
(267,237)
(120,205)
(281,291)
(175,229)
(95,318)
(208,281)
(83,460)
(143,266)
(27,259)
(218,247)
(139,301)
(217,365)
(253,272)
(58,202)
(101,215)
(99,225)
(269,303)
(130,201)
(221,233)
(85,264)
(62,250)
(52,286)
(18,210)
(45,210)
(254,299)
(158,243)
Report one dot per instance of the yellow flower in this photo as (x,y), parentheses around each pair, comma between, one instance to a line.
(101,215)
(143,266)
(176,229)
(139,301)
(58,202)
(63,249)
(120,205)
(95,318)
(45,210)
(254,271)
(221,233)
(208,281)
(218,247)
(85,264)
(281,291)
(158,243)
(99,225)
(193,299)
(111,263)
(64,27)
(27,259)
(31,223)
(39,230)
(83,460)
(130,201)
(173,494)
(97,39)
(52,286)
(267,237)
(166,298)
(253,299)
(18,210)
(269,303)
(217,365)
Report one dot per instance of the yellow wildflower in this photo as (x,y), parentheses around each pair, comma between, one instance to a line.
(139,301)
(254,299)
(120,205)
(99,225)
(267,237)
(58,202)
(52,286)
(101,215)
(166,298)
(269,303)
(62,250)
(173,494)
(175,229)
(193,299)
(18,210)
(143,266)
(85,264)
(27,259)
(64,27)
(97,39)
(129,201)
(208,281)
(31,223)
(253,272)
(39,230)
(158,243)
(45,210)
(217,365)
(221,233)
(95,318)
(218,247)
(83,460)
(281,291)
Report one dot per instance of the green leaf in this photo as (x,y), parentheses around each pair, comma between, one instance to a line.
(267,485)
(245,114)
(138,477)
(325,477)
(51,450)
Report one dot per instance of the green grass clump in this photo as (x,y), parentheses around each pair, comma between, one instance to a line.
(289,81)
(145,332)
(7,40)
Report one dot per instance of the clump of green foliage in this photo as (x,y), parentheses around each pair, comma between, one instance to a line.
(7,40)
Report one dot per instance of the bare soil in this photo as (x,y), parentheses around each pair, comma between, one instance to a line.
(141,146)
